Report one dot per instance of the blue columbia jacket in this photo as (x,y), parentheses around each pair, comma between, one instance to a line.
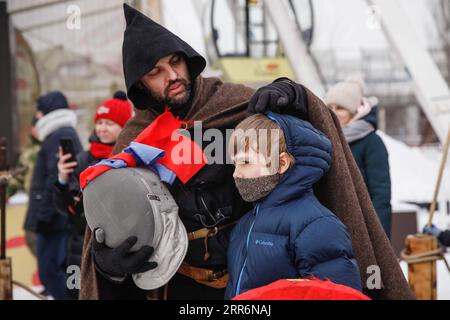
(290,234)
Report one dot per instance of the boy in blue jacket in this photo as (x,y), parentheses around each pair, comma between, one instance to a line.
(289,234)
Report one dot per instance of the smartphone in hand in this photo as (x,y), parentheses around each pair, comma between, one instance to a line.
(67,147)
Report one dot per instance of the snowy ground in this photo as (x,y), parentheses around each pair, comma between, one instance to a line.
(414,172)
(21,294)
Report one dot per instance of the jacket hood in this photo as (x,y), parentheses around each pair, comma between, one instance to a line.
(145,42)
(312,152)
(372,117)
(52,101)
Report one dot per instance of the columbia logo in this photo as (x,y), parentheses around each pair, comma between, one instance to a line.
(264,243)
(102,110)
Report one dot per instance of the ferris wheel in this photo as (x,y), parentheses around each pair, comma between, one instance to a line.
(243,40)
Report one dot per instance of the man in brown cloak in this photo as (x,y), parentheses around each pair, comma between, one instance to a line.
(209,202)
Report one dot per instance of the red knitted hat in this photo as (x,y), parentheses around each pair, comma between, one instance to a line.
(117,109)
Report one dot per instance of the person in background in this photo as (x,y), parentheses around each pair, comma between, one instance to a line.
(25,164)
(358,118)
(22,181)
(109,120)
(55,121)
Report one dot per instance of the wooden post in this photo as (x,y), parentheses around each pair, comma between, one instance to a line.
(6,292)
(3,168)
(9,117)
(422,275)
(5,263)
(438,182)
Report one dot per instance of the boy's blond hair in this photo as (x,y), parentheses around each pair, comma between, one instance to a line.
(261,134)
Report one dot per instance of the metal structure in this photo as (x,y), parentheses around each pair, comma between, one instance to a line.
(305,69)
(255,58)
(430,87)
(396,77)
(262,49)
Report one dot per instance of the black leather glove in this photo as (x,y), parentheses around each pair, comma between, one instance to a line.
(282,96)
(119,262)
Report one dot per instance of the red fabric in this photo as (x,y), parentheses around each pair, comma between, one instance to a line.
(100,150)
(116,110)
(36,281)
(159,134)
(301,289)
(93,172)
(15,242)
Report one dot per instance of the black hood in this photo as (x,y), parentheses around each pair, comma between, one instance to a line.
(144,43)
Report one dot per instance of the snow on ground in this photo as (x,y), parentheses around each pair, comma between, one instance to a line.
(19,198)
(414,174)
(413,178)
(22,294)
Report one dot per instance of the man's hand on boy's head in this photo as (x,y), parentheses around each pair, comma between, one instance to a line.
(282,96)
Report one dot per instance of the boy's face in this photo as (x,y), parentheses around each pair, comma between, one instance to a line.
(251,164)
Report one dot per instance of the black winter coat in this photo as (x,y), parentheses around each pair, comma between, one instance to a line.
(444,238)
(41,210)
(371,157)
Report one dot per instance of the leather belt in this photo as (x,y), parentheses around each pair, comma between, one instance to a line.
(210,278)
(208,232)
(214,279)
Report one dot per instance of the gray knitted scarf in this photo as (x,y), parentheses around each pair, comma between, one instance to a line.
(357,130)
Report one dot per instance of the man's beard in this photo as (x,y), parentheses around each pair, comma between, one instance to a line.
(174,103)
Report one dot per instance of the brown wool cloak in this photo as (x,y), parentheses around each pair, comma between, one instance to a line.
(219,104)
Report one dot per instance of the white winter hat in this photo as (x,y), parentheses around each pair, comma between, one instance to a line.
(133,202)
(347,94)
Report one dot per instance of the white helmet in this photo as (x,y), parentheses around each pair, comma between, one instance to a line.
(134,202)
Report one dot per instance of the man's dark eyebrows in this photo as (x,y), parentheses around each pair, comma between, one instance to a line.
(175,56)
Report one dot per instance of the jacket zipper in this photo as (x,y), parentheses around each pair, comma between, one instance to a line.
(238,287)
